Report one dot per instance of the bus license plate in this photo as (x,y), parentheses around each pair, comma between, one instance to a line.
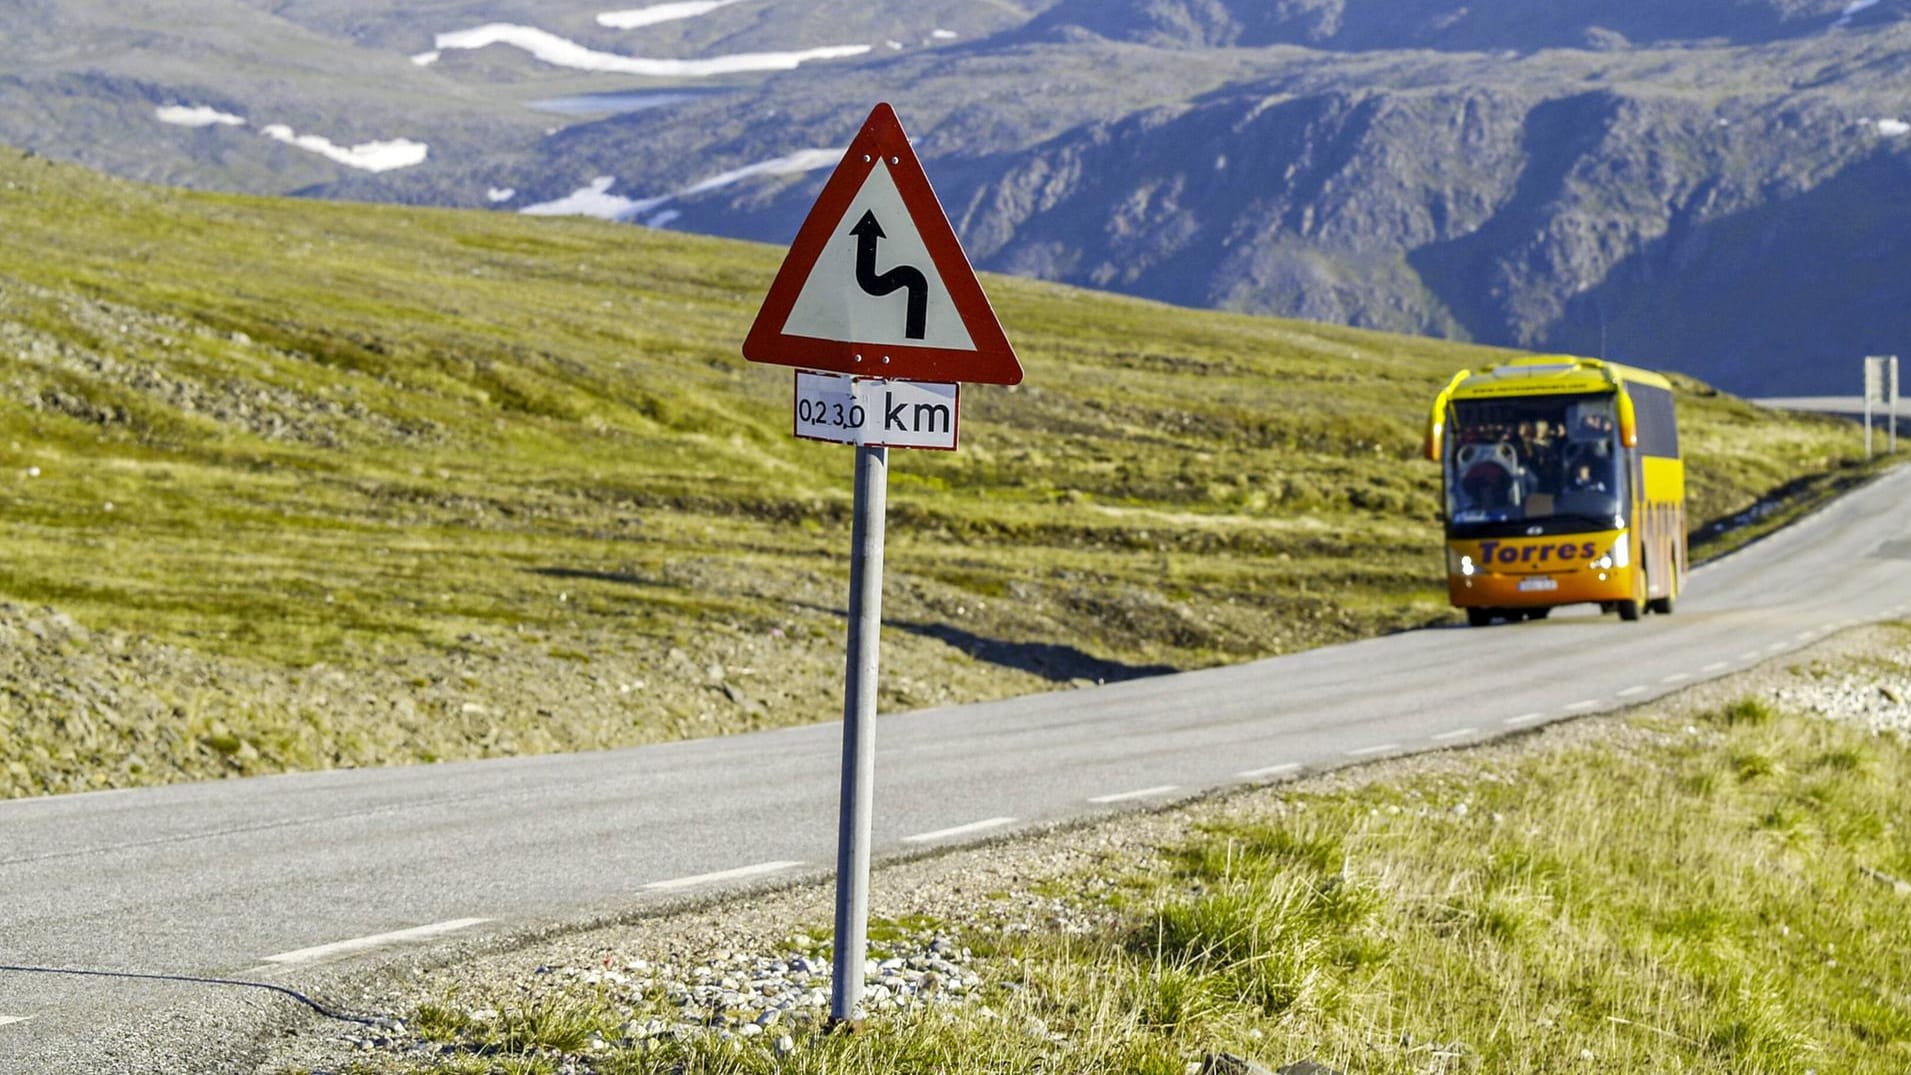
(1538,585)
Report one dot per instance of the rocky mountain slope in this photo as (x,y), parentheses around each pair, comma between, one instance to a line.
(1716,187)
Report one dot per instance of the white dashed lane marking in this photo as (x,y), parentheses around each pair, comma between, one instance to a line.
(377,940)
(1716,666)
(738,874)
(1629,692)
(1581,707)
(9,1020)
(1139,793)
(1775,647)
(1677,677)
(1365,752)
(959,830)
(1457,733)
(1524,718)
(1273,770)
(1749,655)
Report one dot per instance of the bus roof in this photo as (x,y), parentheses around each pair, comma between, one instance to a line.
(1548,375)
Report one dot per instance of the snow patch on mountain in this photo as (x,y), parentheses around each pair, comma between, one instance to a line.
(806,160)
(196,116)
(1853,8)
(563,52)
(365,156)
(596,200)
(1891,128)
(649,16)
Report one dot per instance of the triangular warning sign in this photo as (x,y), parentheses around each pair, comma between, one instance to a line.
(876,283)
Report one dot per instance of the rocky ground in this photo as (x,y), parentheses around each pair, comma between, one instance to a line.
(749,967)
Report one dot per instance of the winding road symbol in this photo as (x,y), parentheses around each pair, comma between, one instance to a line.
(868,234)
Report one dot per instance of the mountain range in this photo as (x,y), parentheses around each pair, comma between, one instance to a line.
(1721,187)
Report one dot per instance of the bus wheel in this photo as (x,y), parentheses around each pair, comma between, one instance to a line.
(1660,606)
(1539,613)
(1479,617)
(1628,610)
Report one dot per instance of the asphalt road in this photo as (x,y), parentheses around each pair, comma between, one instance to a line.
(214,880)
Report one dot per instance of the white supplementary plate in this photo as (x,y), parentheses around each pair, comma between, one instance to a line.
(877,413)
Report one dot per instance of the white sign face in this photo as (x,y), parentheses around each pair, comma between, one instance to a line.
(1874,380)
(875,281)
(876,413)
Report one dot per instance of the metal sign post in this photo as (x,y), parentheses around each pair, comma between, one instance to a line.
(1874,388)
(1891,401)
(859,733)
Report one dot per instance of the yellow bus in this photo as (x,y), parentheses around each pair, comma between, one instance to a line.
(1563,485)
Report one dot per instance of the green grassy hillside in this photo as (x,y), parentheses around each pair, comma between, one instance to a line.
(312,484)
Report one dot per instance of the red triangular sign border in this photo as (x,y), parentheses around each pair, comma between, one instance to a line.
(993,360)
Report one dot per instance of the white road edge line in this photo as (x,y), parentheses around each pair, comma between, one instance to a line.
(1630,691)
(1804,636)
(1272,770)
(1751,655)
(1717,666)
(959,830)
(1523,718)
(1581,707)
(1677,677)
(1364,752)
(1457,733)
(1140,793)
(9,1020)
(720,876)
(377,940)
(1775,647)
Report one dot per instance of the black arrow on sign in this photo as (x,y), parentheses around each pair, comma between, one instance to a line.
(868,233)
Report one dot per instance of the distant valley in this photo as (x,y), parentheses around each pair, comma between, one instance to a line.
(1719,187)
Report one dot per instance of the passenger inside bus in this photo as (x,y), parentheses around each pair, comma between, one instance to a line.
(1531,459)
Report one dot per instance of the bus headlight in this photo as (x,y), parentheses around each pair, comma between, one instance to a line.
(1459,563)
(1619,556)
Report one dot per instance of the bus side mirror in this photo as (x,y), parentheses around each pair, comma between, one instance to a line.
(1435,438)
(1628,422)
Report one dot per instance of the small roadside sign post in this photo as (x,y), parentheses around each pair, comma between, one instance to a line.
(877,307)
(1891,401)
(1881,386)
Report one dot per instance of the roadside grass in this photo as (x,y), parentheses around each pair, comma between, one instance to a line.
(1642,899)
(268,435)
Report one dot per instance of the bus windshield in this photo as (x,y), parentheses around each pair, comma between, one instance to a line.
(1533,459)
